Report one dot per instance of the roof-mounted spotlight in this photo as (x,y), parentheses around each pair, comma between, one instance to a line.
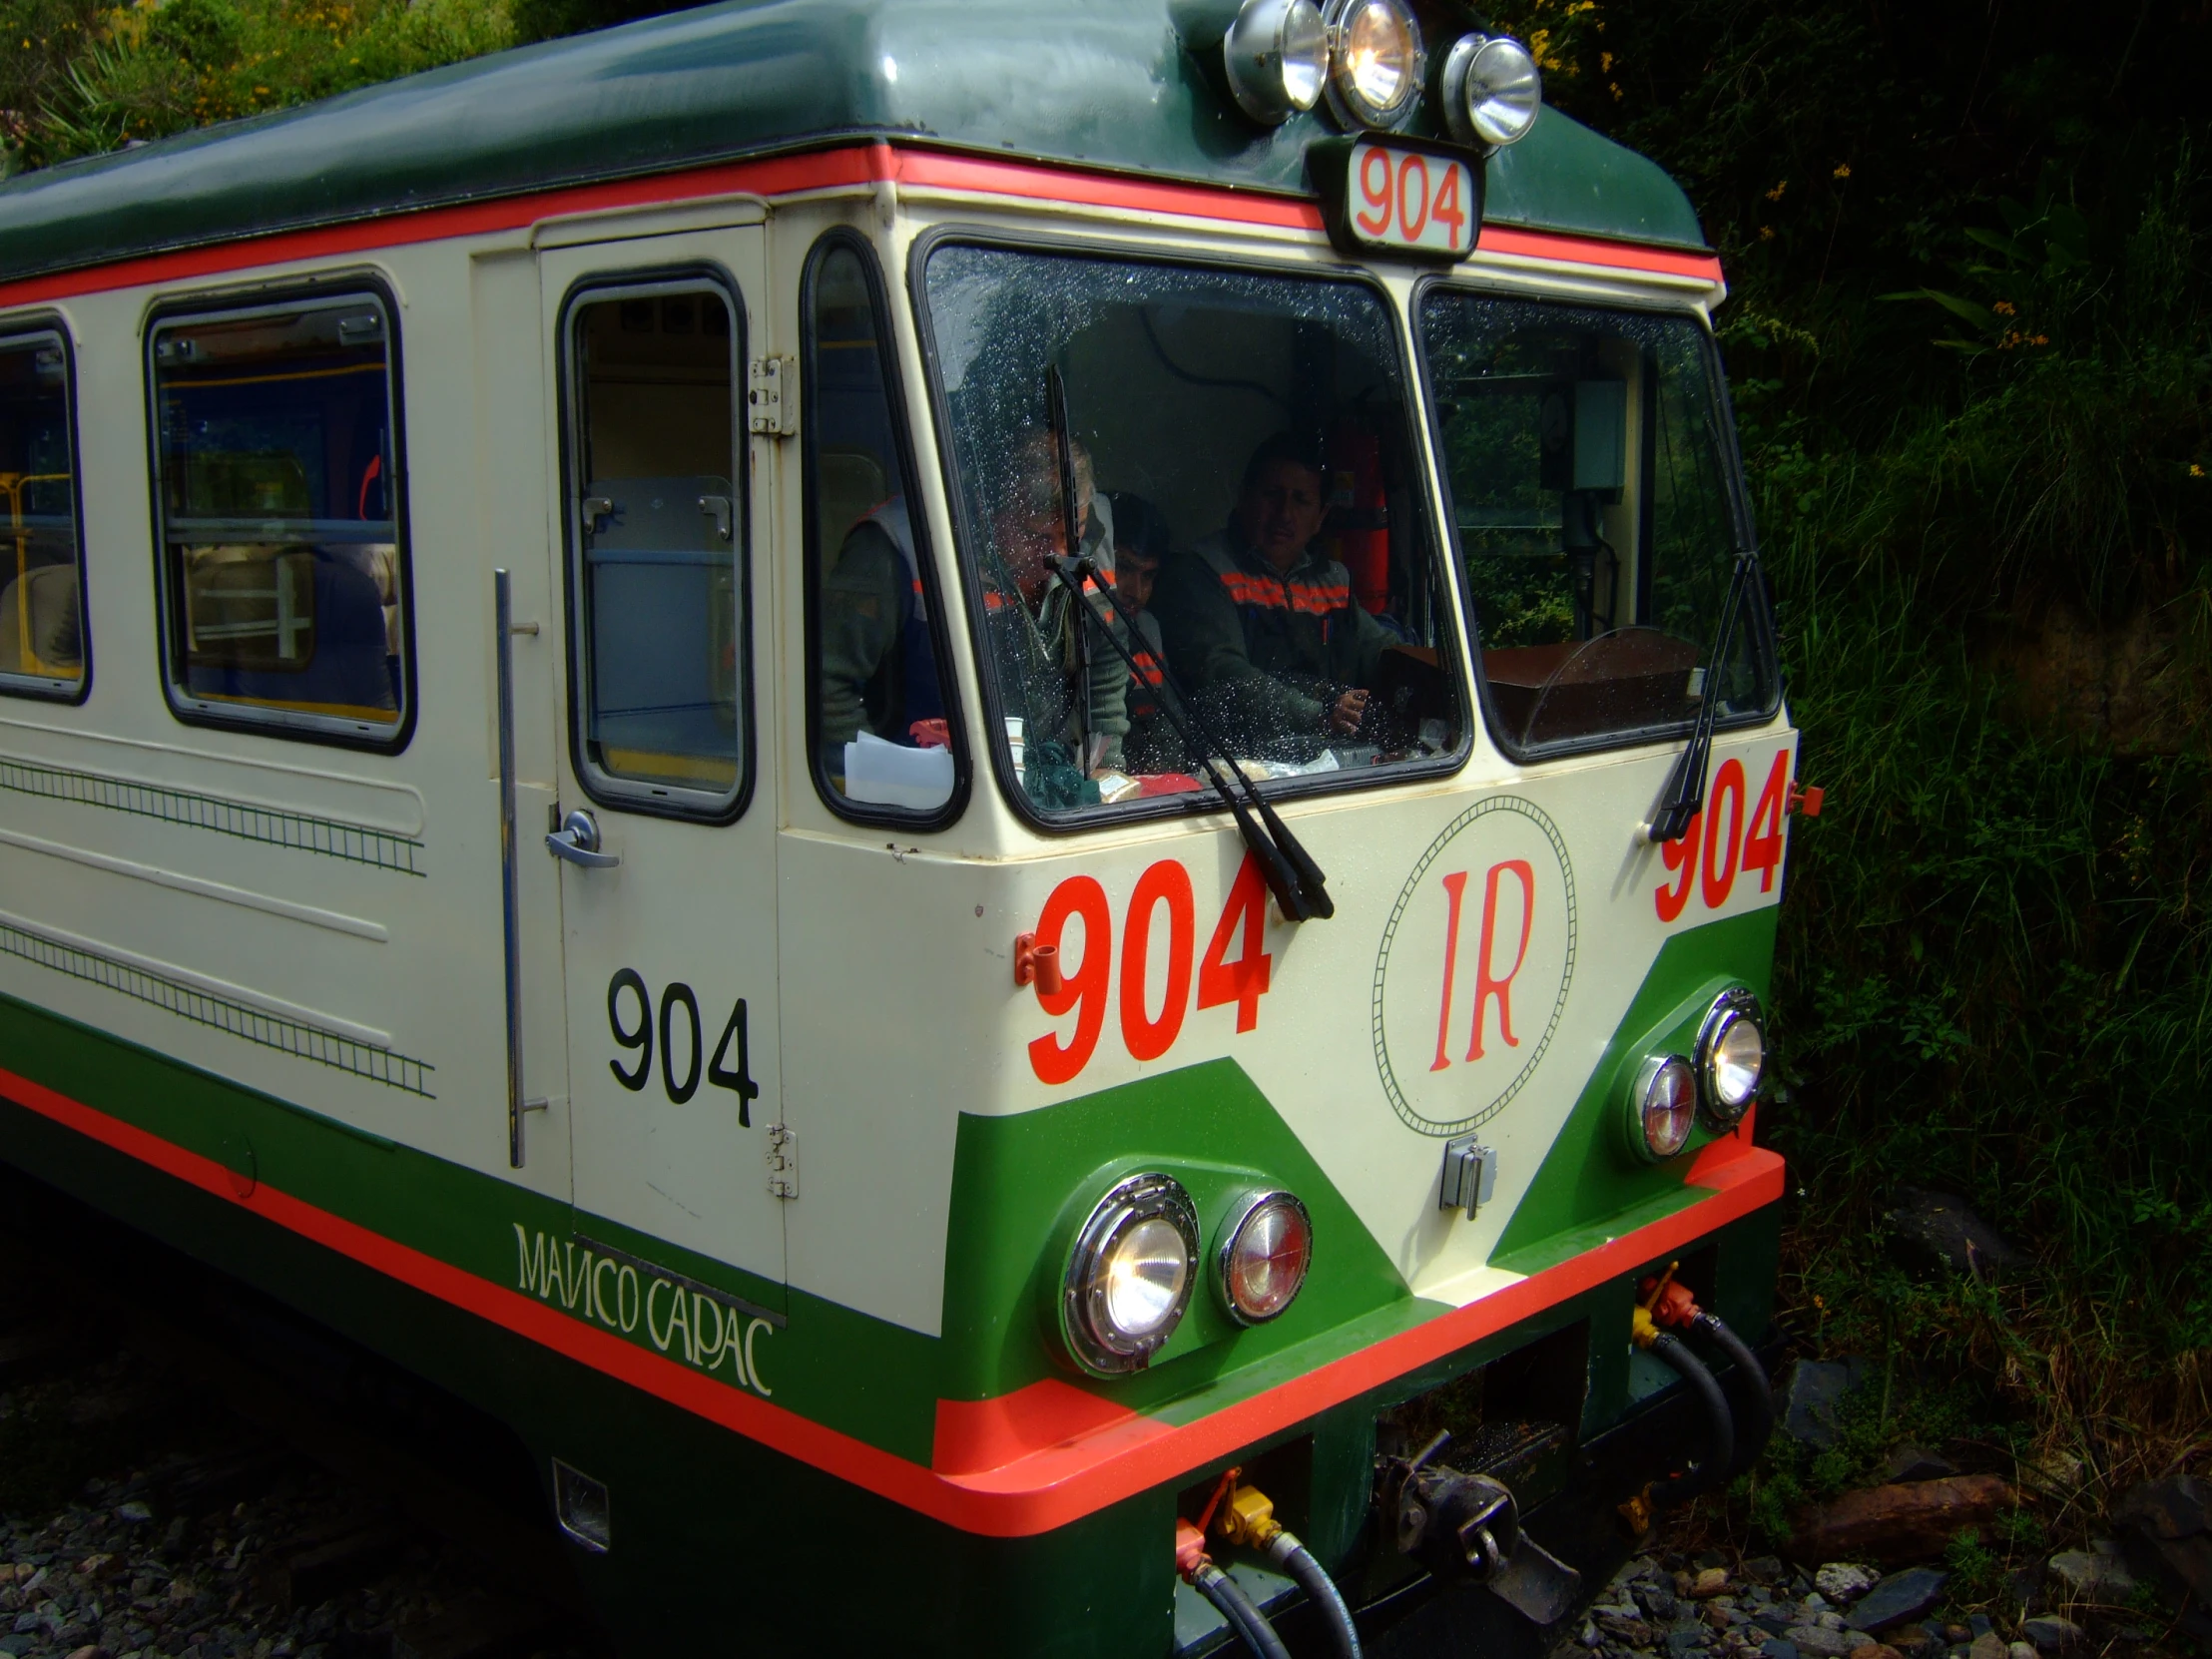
(1492,90)
(1375,62)
(1277,57)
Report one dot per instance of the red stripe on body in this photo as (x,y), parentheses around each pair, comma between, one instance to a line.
(1060,1454)
(843,166)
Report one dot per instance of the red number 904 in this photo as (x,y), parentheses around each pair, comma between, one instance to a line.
(1408,200)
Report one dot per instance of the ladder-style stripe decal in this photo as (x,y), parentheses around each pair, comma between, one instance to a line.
(328,838)
(1117,1457)
(220,1013)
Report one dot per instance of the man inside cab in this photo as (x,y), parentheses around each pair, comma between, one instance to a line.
(1058,672)
(1264,628)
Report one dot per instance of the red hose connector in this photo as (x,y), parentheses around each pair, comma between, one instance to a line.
(1190,1549)
(1671,1303)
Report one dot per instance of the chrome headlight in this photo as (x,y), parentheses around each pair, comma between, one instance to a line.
(1375,62)
(1492,90)
(1662,1105)
(1129,1276)
(1277,56)
(1731,1055)
(1264,1251)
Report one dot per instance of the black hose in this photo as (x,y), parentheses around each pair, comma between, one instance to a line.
(1750,1443)
(1720,1451)
(1320,1588)
(1233,1604)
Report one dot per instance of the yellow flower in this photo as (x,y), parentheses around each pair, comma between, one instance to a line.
(2005,308)
(1843,170)
(2195,472)
(1765,233)
(2042,339)
(1775,195)
(1605,63)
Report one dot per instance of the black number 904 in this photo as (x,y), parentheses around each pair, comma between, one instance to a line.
(677,1001)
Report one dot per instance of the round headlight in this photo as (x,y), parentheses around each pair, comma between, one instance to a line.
(1665,1104)
(1129,1276)
(1492,90)
(1264,1251)
(1375,61)
(1731,1055)
(1277,56)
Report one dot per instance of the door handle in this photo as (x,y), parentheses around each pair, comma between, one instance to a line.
(577,841)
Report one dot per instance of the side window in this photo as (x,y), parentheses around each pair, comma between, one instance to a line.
(42,625)
(282,537)
(659,523)
(878,717)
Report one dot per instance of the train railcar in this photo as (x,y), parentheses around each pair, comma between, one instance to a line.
(988,796)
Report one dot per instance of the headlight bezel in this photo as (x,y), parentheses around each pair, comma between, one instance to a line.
(1353,110)
(1257,58)
(1481,62)
(1242,1215)
(1087,1329)
(1733,1008)
(1642,1091)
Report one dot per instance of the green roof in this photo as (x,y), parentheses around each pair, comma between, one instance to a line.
(1124,84)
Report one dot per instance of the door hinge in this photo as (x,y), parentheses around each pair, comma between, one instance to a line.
(782,1161)
(773,399)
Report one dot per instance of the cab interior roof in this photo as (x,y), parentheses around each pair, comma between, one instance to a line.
(1130,86)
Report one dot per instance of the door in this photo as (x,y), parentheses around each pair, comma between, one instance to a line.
(667,849)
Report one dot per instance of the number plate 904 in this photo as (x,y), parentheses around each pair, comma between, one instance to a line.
(1419,201)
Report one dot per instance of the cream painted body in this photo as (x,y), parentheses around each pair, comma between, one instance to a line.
(877,966)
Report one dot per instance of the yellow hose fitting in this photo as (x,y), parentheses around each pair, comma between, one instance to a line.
(1248,1519)
(1642,1330)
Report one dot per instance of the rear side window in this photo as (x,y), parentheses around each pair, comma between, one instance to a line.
(283,541)
(659,535)
(879,713)
(42,625)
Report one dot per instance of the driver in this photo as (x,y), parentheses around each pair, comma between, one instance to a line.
(1058,674)
(1264,628)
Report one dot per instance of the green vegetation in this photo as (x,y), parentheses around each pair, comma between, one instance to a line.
(78,77)
(1971,339)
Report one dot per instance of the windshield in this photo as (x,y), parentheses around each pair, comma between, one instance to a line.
(1245,483)
(1588,476)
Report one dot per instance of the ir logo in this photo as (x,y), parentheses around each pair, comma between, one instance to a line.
(1474,966)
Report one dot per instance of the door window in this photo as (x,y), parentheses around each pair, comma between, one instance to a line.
(659,523)
(42,651)
(882,732)
(283,541)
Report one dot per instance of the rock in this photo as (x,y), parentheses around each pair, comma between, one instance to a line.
(1634,1632)
(1830,1620)
(1938,1230)
(2097,1575)
(1844,1582)
(1775,1647)
(133,1511)
(1978,1623)
(1762,1569)
(1657,1601)
(1773,1621)
(2050,1634)
(1909,1638)
(1900,1596)
(1957,1633)
(1900,1524)
(1710,1582)
(1589,1636)
(2167,1525)
(2021,1650)
(1812,1394)
(1877,1650)
(1814,1641)
(91,1650)
(1911,1462)
(1987,1646)
(1686,1639)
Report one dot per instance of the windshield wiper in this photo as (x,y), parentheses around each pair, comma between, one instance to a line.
(1300,889)
(1685,797)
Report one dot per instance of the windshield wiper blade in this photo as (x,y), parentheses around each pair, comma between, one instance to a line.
(1685,793)
(1300,889)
